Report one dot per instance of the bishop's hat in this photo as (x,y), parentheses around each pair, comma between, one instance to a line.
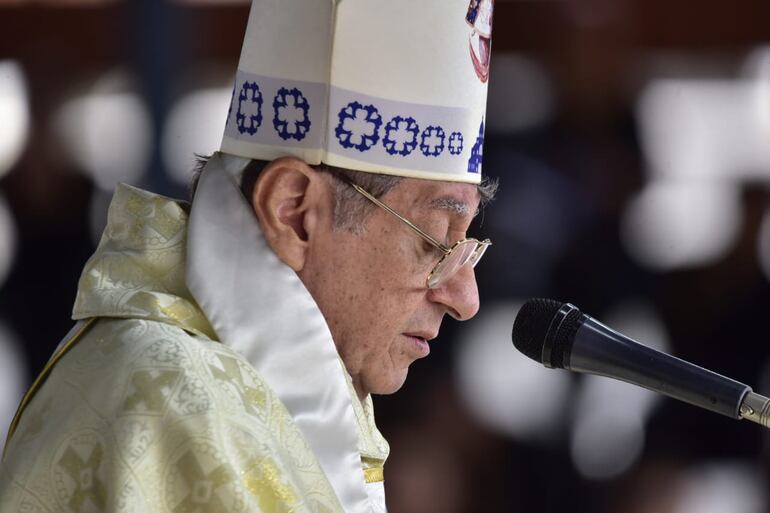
(385,86)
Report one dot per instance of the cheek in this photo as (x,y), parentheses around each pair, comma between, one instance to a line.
(386,297)
(367,287)
(385,282)
(387,261)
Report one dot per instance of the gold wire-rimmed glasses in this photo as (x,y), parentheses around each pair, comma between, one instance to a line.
(462,252)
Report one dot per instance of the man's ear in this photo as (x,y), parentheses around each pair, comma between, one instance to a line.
(289,198)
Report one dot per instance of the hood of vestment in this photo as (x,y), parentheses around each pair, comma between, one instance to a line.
(138,269)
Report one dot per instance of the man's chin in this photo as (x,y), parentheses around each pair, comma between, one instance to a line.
(390,387)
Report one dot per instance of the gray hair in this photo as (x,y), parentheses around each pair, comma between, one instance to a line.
(350,208)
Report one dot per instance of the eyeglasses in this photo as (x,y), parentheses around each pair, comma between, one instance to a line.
(462,252)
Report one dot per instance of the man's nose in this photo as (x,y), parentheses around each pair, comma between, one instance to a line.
(459,294)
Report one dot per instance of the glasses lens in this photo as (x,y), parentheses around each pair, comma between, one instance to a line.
(452,262)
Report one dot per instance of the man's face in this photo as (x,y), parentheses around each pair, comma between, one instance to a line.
(371,287)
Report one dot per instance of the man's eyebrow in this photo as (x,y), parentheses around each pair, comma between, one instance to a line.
(454,205)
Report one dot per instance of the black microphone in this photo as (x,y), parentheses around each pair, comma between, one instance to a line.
(558,335)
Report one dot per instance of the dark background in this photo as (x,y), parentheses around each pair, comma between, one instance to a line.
(632,143)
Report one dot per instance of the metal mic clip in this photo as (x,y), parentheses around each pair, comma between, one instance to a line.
(756,408)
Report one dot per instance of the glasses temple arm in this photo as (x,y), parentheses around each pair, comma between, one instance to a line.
(382,205)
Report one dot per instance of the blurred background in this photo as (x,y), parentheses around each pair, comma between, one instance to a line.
(632,143)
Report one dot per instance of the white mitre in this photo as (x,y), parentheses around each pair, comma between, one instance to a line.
(387,86)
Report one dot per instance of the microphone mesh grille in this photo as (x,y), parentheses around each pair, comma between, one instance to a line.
(531,326)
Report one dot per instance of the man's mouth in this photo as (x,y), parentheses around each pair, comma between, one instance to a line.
(419,343)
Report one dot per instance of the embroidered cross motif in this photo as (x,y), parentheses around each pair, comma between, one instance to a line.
(292,114)
(163,222)
(263,479)
(358,126)
(432,141)
(400,136)
(231,375)
(202,497)
(249,115)
(151,390)
(456,143)
(84,473)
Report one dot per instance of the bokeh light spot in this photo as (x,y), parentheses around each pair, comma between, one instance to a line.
(14,113)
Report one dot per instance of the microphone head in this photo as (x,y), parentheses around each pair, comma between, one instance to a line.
(544,330)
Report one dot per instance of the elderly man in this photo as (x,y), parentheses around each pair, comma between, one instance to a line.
(226,352)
